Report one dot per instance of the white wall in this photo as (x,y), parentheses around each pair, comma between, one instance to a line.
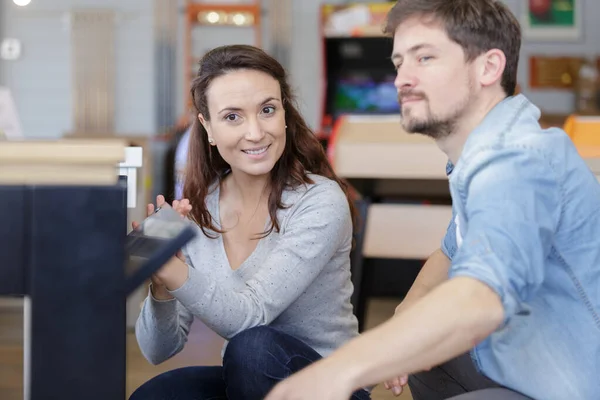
(41,79)
(307,57)
(558,101)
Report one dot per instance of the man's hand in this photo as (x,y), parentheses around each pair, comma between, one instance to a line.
(318,381)
(434,272)
(397,384)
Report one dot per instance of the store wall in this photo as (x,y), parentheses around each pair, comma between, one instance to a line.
(305,60)
(306,57)
(2,13)
(41,79)
(558,101)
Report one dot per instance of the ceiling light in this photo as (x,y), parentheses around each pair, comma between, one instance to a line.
(212,17)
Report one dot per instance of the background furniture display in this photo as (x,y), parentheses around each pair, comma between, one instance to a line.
(64,206)
(400,181)
(62,248)
(403,196)
(357,72)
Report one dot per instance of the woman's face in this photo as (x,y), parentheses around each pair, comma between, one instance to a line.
(247,120)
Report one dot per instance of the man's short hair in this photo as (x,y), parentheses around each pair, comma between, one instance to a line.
(476,25)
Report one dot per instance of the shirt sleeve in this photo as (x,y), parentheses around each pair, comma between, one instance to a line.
(449,243)
(162,328)
(512,210)
(320,225)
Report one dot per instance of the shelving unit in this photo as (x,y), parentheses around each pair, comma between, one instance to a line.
(215,15)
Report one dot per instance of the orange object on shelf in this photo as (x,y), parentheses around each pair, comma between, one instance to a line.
(584,131)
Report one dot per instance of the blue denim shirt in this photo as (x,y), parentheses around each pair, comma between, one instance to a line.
(527,223)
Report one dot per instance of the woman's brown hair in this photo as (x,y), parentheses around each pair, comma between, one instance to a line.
(303,153)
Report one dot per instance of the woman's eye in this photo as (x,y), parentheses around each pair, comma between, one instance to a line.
(425,59)
(268,110)
(231,117)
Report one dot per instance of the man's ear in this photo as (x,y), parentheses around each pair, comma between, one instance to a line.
(491,67)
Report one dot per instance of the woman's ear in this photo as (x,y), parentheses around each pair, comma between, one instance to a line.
(206,128)
(202,120)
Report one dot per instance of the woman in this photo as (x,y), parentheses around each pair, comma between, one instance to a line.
(269,269)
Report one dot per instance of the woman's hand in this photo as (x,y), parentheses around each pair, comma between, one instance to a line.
(183,207)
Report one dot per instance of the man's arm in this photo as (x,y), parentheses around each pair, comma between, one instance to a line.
(447,322)
(514,208)
(433,273)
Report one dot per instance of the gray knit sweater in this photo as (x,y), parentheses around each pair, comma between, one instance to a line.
(297,280)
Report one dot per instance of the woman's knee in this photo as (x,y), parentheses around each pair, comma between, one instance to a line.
(251,346)
(155,387)
(186,382)
(256,359)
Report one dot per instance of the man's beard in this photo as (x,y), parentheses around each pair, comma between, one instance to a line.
(432,126)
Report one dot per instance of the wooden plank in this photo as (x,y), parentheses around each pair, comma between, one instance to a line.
(405,231)
(61,162)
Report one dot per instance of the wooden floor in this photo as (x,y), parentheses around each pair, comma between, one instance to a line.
(203,348)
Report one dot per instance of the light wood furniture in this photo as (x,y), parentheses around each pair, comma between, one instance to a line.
(396,175)
(394,172)
(62,211)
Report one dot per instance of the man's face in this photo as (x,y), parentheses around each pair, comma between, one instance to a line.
(434,81)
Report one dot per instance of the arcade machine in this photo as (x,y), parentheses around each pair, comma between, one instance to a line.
(399,179)
(356,64)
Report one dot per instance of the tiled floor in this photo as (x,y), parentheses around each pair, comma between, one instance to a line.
(203,348)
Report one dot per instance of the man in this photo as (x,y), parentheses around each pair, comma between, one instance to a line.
(515,314)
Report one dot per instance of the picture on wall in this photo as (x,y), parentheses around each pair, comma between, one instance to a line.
(552,19)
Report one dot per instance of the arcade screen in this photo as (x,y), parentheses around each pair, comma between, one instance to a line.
(365,95)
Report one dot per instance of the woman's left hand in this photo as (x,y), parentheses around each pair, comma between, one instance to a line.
(175,272)
(183,207)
